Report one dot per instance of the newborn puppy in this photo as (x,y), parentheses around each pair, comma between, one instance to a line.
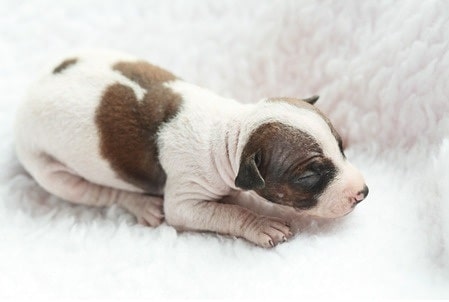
(104,128)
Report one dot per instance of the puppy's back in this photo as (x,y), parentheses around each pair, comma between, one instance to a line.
(98,113)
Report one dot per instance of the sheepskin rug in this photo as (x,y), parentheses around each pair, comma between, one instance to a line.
(382,71)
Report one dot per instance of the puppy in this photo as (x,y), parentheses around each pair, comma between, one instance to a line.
(105,128)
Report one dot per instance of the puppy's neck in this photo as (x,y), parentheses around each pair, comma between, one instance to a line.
(222,129)
(228,145)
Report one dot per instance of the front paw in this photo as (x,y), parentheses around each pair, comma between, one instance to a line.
(268,231)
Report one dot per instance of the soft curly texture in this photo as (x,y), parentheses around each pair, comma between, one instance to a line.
(382,71)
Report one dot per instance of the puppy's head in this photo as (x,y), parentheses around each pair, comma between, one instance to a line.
(293,156)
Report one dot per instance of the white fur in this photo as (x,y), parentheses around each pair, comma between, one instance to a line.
(200,149)
(58,118)
(381,71)
(204,115)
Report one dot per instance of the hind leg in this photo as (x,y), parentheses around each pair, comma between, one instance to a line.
(61,181)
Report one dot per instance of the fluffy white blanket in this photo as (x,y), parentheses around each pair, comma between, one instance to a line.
(382,70)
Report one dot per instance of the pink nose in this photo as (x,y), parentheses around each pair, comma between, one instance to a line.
(362,194)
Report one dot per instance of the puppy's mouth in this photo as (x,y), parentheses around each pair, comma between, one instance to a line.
(331,217)
(339,214)
(326,214)
(338,208)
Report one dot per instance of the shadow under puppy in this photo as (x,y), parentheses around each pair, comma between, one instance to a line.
(105,128)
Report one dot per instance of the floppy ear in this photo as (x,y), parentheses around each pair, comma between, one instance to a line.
(312,100)
(249,177)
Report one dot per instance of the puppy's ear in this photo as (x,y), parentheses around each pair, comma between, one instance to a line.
(312,100)
(249,177)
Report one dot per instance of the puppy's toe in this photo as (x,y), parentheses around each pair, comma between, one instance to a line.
(148,210)
(268,232)
(152,213)
(150,220)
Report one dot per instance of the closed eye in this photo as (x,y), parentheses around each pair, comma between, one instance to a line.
(308,179)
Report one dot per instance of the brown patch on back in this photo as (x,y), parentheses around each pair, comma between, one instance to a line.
(144,73)
(128,127)
(64,65)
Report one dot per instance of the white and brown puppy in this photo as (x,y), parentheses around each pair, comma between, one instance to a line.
(104,128)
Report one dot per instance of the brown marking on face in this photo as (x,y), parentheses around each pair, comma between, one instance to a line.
(284,157)
(128,127)
(304,105)
(64,64)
